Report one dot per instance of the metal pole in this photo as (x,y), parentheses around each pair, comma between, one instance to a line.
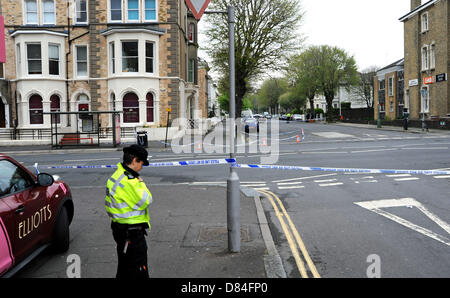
(233,193)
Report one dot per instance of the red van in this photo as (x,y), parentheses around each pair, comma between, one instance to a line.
(35,213)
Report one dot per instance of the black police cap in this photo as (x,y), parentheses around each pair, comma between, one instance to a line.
(139,152)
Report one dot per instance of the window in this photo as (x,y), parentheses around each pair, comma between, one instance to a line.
(382,85)
(112,55)
(149,57)
(13,179)
(150,10)
(432,56)
(130,108)
(81,68)
(133,10)
(425,22)
(48,8)
(81,11)
(191,32)
(19,60)
(130,56)
(55,106)
(53,59)
(116,10)
(34,58)
(391,86)
(31,12)
(191,70)
(425,58)
(391,106)
(36,110)
(425,100)
(150,107)
(2,72)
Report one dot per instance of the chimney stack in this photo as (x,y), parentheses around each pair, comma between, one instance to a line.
(415,3)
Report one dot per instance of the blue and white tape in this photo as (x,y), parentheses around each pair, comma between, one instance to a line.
(344,170)
(157,164)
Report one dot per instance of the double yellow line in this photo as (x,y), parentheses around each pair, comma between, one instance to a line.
(290,236)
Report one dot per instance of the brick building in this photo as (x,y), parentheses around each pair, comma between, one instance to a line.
(427,59)
(388,87)
(139,56)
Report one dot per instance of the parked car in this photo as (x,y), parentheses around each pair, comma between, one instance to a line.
(35,213)
(298,117)
(251,123)
(283,117)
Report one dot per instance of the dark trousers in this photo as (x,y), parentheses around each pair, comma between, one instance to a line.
(132,257)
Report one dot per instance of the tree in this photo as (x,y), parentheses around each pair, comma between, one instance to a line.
(335,68)
(265,35)
(302,74)
(365,88)
(270,92)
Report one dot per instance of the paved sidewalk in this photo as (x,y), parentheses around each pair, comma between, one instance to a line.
(394,128)
(188,238)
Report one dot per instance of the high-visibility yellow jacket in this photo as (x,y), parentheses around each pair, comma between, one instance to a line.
(127,199)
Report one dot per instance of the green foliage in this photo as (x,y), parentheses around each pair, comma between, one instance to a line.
(266,31)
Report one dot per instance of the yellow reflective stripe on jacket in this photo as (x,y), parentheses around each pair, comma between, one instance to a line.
(127,200)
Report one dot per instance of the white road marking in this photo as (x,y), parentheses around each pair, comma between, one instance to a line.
(407,179)
(442,177)
(398,175)
(331,184)
(303,178)
(332,135)
(376,206)
(289,183)
(326,180)
(291,187)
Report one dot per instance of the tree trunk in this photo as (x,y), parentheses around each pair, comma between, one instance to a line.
(311,104)
(329,109)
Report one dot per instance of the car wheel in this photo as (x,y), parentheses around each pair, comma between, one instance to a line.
(60,241)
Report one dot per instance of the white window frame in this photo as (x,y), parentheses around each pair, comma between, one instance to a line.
(75,60)
(43,13)
(391,86)
(110,20)
(427,100)
(425,22)
(191,39)
(59,59)
(147,57)
(144,17)
(129,57)
(112,58)
(26,56)
(432,56)
(127,10)
(75,11)
(25,13)
(18,59)
(425,57)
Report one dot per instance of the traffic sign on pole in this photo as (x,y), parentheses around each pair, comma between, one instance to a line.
(197,7)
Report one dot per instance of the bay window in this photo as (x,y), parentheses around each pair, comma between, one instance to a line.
(34,58)
(130,56)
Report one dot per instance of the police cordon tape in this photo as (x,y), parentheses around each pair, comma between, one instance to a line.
(157,164)
(345,170)
(234,163)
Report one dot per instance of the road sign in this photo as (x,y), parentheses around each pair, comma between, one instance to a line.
(428,80)
(197,7)
(441,77)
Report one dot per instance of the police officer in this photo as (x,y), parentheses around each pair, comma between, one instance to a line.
(127,201)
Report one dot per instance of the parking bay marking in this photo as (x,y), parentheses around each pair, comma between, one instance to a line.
(375,206)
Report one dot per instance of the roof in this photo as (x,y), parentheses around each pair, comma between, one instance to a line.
(125,29)
(417,10)
(396,66)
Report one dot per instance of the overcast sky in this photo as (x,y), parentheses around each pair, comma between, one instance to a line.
(367,29)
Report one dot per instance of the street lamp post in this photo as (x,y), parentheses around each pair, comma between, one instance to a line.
(233,183)
(424,95)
